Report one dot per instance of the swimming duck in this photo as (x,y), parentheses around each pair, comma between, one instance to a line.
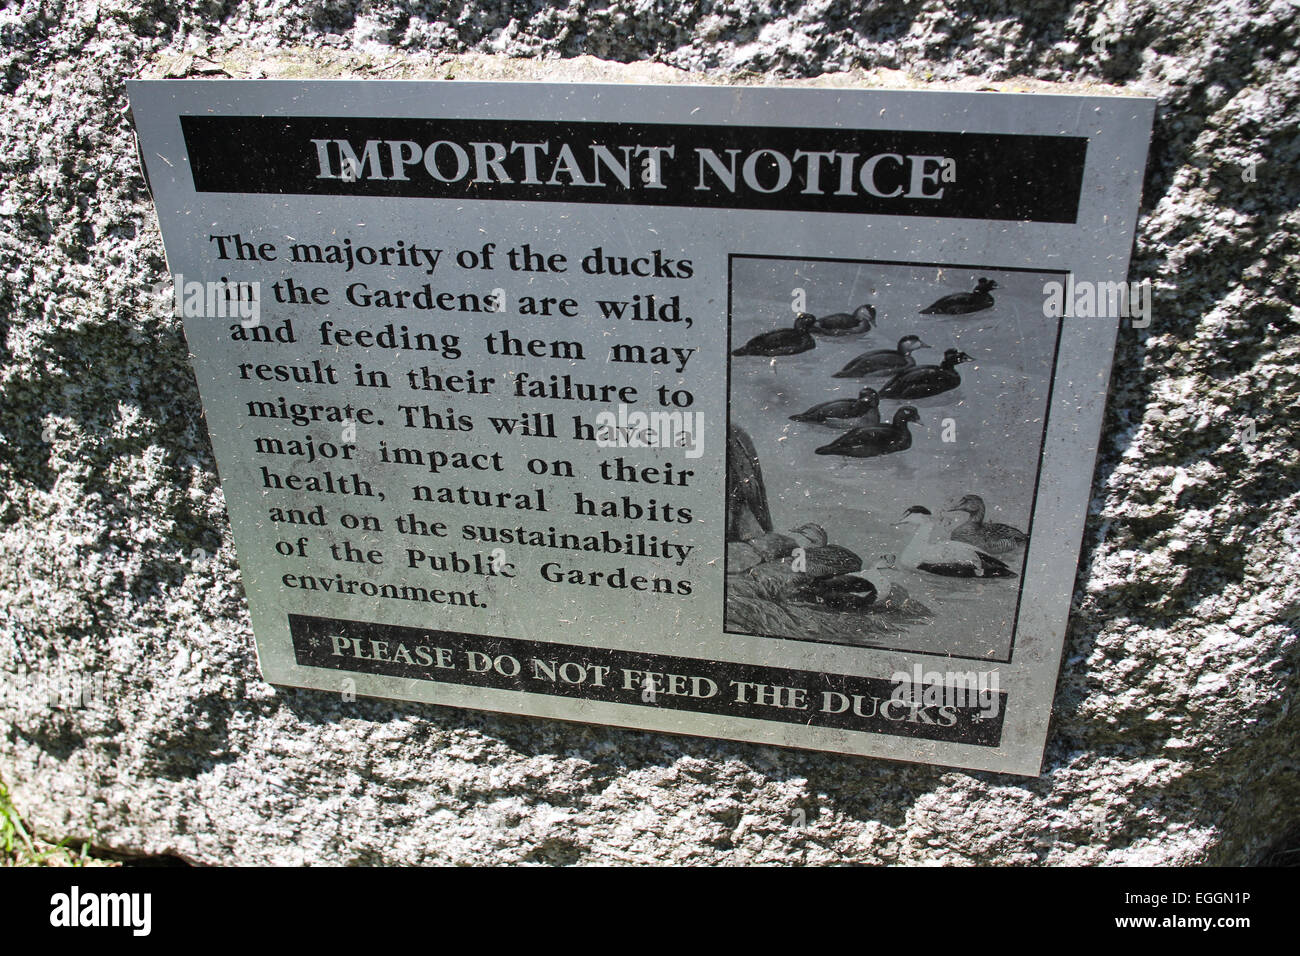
(865,409)
(963,303)
(883,361)
(748,513)
(871,441)
(862,319)
(929,552)
(782,341)
(990,536)
(926,380)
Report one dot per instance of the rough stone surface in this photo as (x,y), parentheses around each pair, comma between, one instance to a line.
(1174,739)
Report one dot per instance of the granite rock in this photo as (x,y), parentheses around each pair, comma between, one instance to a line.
(131,710)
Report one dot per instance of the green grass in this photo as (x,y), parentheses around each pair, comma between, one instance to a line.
(19,848)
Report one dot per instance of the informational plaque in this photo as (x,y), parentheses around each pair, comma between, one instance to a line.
(767,414)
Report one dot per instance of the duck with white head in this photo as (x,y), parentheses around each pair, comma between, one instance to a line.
(930,550)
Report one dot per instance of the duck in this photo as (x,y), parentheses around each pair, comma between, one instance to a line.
(891,596)
(926,380)
(843,592)
(990,536)
(963,303)
(783,341)
(883,361)
(872,441)
(822,561)
(862,319)
(864,410)
(871,587)
(928,552)
(880,577)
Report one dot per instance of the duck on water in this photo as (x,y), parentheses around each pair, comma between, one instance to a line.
(862,319)
(864,410)
(926,380)
(783,341)
(991,536)
(963,303)
(872,441)
(883,361)
(929,551)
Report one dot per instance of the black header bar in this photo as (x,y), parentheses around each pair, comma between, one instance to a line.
(1007,177)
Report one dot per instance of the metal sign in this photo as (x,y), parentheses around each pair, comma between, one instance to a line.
(756,413)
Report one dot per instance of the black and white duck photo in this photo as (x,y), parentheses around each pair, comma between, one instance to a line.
(789,341)
(884,361)
(880,485)
(860,320)
(963,303)
(843,412)
(926,380)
